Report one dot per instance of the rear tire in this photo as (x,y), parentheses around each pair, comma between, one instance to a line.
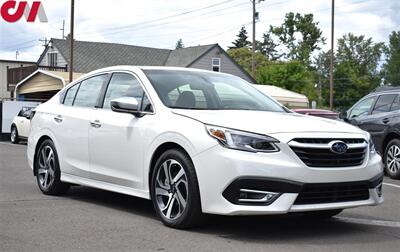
(324,214)
(48,170)
(174,190)
(14,135)
(391,159)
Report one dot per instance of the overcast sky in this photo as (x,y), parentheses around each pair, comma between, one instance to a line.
(157,23)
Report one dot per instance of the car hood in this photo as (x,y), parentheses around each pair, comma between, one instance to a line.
(264,122)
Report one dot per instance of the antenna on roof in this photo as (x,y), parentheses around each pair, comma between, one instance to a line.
(16,55)
(45,41)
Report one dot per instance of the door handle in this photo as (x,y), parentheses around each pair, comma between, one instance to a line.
(58,118)
(95,124)
(385,120)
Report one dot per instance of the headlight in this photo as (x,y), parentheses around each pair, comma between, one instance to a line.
(371,146)
(240,140)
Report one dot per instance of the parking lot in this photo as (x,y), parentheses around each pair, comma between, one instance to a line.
(93,220)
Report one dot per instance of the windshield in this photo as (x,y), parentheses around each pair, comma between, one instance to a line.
(208,91)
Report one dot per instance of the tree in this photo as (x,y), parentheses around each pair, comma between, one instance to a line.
(300,35)
(179,44)
(241,40)
(289,75)
(268,47)
(392,64)
(243,57)
(356,69)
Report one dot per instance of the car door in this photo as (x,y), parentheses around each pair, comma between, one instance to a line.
(381,118)
(360,114)
(72,125)
(117,141)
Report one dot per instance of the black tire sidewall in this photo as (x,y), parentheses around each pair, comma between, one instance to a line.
(16,135)
(193,206)
(388,172)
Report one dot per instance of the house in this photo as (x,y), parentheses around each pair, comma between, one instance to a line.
(6,90)
(89,56)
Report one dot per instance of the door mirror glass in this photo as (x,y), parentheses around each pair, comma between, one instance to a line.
(343,115)
(125,105)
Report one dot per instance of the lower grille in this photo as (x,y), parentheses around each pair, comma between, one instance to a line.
(332,193)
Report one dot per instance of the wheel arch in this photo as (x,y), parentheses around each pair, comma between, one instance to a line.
(158,152)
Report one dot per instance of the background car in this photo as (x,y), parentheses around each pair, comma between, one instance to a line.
(21,124)
(318,112)
(379,114)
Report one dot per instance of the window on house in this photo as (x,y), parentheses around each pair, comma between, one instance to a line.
(52,57)
(216,64)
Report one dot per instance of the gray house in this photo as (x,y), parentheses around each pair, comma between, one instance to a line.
(89,56)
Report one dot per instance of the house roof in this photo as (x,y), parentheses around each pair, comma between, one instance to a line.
(184,57)
(94,55)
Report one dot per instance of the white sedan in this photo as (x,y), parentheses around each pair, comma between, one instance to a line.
(198,142)
(20,125)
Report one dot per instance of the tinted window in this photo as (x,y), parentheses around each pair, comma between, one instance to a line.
(384,103)
(362,108)
(205,90)
(70,95)
(396,104)
(89,91)
(125,85)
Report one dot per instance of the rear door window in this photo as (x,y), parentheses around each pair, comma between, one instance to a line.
(384,103)
(396,104)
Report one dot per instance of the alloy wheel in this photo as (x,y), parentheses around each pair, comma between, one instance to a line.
(13,134)
(46,169)
(393,159)
(171,189)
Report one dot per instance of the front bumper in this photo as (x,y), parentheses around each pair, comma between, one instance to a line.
(220,171)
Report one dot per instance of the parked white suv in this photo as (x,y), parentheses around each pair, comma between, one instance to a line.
(197,142)
(20,125)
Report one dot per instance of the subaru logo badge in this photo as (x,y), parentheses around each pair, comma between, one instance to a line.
(338,147)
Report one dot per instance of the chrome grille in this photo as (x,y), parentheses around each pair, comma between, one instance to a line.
(317,152)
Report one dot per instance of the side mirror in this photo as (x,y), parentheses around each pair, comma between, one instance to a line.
(343,116)
(126,105)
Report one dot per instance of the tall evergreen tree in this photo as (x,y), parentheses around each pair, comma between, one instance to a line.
(179,44)
(241,40)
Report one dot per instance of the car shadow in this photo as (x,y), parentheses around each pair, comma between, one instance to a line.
(284,229)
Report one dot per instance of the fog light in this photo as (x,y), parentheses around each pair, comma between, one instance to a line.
(378,190)
(254,196)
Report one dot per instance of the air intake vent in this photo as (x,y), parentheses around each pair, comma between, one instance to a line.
(319,153)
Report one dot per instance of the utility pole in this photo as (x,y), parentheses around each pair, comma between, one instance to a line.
(71,45)
(332,55)
(63,30)
(253,45)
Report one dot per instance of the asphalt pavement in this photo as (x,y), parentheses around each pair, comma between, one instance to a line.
(87,219)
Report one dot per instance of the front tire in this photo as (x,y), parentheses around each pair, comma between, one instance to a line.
(392,159)
(14,135)
(48,170)
(174,190)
